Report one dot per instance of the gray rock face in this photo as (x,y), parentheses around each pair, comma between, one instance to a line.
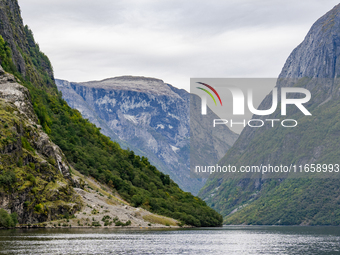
(145,115)
(313,65)
(48,161)
(9,15)
(318,54)
(208,145)
(22,44)
(18,95)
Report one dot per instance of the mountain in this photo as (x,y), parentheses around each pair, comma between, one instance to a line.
(35,177)
(147,116)
(313,65)
(44,140)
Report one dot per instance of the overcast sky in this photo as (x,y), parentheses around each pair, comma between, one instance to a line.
(172,40)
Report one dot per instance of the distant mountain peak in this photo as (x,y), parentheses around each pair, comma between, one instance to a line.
(133,83)
(319,53)
(135,78)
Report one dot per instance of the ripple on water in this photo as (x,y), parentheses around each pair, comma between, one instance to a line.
(227,240)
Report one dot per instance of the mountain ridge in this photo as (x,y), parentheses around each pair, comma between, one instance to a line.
(156,126)
(145,84)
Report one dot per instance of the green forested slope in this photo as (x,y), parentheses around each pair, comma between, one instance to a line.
(86,149)
(295,201)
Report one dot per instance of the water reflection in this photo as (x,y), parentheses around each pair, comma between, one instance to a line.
(227,240)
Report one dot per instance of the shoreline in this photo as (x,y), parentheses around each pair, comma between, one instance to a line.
(39,226)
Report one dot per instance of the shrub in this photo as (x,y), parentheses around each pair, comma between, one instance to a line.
(96,224)
(25,144)
(39,208)
(108,223)
(32,179)
(66,215)
(7,178)
(51,160)
(7,220)
(106,217)
(119,223)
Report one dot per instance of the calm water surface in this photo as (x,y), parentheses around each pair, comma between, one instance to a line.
(227,241)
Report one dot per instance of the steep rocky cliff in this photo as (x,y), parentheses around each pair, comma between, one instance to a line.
(313,65)
(13,34)
(35,177)
(27,59)
(147,116)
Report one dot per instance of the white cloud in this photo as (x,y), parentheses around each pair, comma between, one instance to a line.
(170,40)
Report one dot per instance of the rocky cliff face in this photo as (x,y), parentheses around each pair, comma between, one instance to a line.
(318,54)
(208,145)
(313,65)
(26,58)
(35,177)
(144,114)
(9,16)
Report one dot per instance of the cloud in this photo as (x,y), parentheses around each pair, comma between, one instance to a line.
(171,40)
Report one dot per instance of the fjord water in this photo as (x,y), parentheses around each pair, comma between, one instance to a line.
(226,240)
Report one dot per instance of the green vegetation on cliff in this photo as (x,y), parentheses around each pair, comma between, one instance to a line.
(92,153)
(7,220)
(31,183)
(308,200)
(293,202)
